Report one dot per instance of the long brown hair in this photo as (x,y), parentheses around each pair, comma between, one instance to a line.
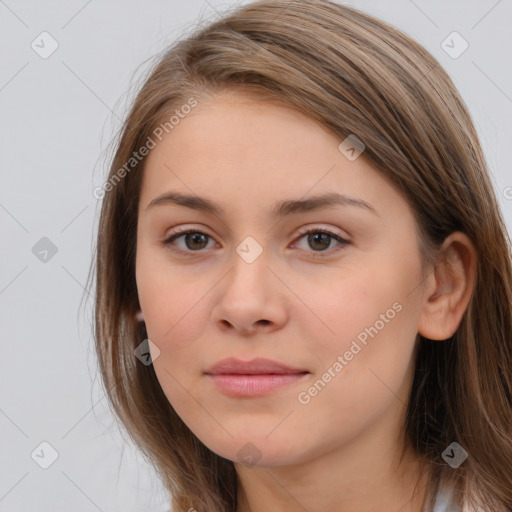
(355,75)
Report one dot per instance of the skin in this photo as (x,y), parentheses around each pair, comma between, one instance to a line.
(340,450)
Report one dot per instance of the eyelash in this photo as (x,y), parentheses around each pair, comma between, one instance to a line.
(316,254)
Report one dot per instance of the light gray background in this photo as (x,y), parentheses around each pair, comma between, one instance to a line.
(57,117)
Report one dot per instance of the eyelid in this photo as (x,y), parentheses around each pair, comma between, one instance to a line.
(319,227)
(188,227)
(332,251)
(303,230)
(179,231)
(342,239)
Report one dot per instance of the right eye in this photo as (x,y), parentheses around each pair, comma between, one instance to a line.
(193,241)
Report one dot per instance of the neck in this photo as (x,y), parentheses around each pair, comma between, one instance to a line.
(352,479)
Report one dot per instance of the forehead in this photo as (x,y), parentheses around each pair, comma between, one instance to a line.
(250,151)
(248,126)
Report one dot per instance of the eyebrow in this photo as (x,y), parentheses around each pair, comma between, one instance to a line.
(280,209)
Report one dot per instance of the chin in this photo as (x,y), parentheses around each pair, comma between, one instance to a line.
(257,451)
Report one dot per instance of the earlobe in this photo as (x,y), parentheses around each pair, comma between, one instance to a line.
(452,282)
(139,316)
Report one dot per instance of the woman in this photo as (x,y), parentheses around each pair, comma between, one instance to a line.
(303,276)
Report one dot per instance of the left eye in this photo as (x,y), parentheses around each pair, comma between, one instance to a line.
(321,239)
(317,239)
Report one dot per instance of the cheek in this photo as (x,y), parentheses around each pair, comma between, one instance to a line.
(363,372)
(344,308)
(173,305)
(369,336)
(175,316)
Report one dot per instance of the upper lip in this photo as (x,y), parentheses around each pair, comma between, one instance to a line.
(258,366)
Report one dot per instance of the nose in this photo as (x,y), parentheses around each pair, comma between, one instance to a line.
(250,299)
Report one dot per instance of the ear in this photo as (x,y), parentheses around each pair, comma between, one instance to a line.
(139,315)
(449,288)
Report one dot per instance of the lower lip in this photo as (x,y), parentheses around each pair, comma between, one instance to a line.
(254,385)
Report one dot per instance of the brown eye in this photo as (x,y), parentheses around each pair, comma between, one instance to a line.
(321,240)
(318,241)
(193,240)
(196,241)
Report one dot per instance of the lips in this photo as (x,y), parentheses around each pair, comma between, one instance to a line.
(258,366)
(237,378)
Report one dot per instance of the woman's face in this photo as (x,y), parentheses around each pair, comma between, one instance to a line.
(342,316)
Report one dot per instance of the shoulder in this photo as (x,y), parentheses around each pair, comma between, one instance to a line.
(444,500)
(467,508)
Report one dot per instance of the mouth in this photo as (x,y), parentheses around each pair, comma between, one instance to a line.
(254,385)
(257,377)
